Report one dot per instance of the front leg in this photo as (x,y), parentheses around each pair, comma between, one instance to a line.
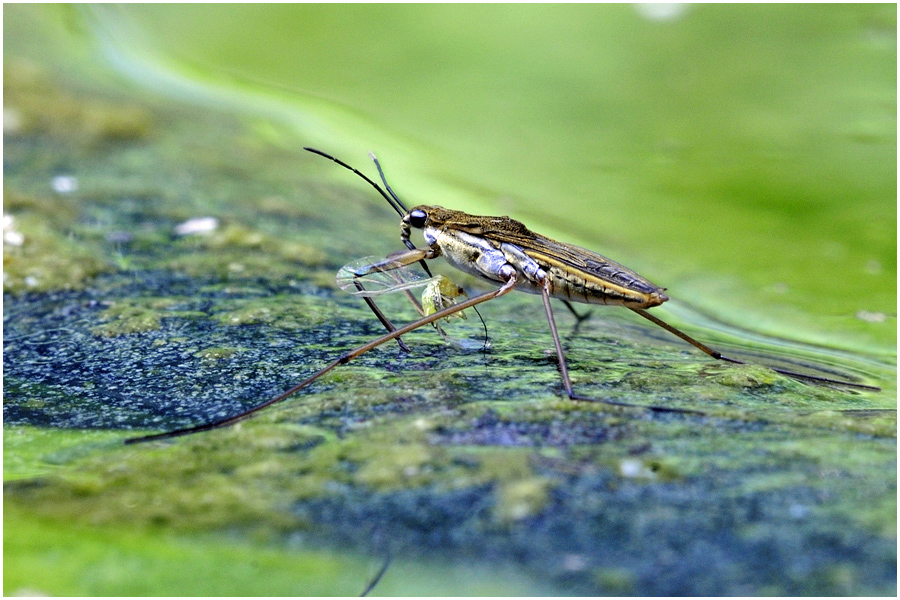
(401,258)
(394,261)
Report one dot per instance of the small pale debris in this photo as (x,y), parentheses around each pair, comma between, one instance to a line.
(12,119)
(661,11)
(198,225)
(871,317)
(64,184)
(634,468)
(423,424)
(574,562)
(873,267)
(30,593)
(11,237)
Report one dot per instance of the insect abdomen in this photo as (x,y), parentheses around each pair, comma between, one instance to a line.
(619,287)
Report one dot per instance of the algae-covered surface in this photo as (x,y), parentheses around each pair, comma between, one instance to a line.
(169,261)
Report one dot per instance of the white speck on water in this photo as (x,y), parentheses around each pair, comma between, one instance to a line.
(871,317)
(198,225)
(574,562)
(634,468)
(12,119)
(64,184)
(11,237)
(661,11)
(873,267)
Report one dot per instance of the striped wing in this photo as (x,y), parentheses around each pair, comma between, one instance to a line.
(579,260)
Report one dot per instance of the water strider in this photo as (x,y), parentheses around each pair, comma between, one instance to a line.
(505,253)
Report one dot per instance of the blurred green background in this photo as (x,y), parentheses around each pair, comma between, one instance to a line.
(744,157)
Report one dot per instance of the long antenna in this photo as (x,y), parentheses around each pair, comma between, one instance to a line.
(392,199)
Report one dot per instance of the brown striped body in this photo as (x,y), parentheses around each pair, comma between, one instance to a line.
(483,246)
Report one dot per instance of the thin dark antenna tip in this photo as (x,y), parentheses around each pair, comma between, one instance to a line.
(392,199)
(386,184)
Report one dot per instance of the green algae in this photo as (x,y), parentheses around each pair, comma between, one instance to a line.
(31,452)
(47,258)
(139,315)
(114,219)
(615,582)
(57,249)
(287,312)
(124,320)
(746,376)
(37,106)
(215,353)
(234,236)
(521,499)
(249,474)
(235,251)
(220,473)
(220,566)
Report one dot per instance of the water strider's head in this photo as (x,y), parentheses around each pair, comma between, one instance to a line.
(419,217)
(423,216)
(435,219)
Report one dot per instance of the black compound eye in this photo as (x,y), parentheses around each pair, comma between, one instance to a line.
(417,218)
